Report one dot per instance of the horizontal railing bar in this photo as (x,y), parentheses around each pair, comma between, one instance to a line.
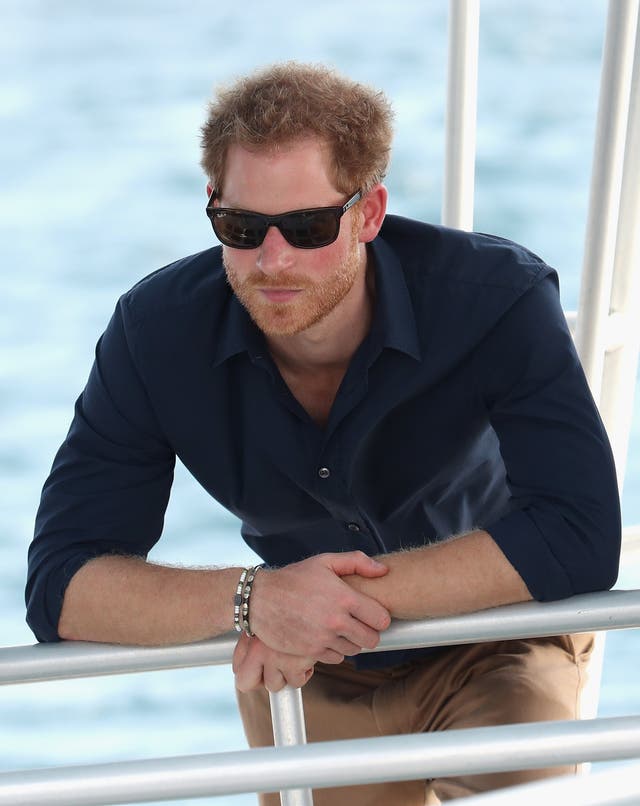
(607,610)
(70,659)
(630,541)
(325,764)
(618,328)
(617,787)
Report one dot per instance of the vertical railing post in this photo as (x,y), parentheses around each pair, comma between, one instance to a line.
(460,129)
(606,178)
(595,305)
(621,364)
(287,715)
(597,280)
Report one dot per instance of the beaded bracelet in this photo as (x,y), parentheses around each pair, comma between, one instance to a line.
(237,601)
(246,596)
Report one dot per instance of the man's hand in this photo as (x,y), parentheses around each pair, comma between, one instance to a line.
(255,665)
(305,609)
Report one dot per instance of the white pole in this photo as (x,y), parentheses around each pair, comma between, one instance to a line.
(600,240)
(462,92)
(621,365)
(587,612)
(326,764)
(597,272)
(287,715)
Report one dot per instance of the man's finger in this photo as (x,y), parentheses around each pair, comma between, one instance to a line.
(240,652)
(361,635)
(274,680)
(343,646)
(355,562)
(330,656)
(249,677)
(299,678)
(250,673)
(370,613)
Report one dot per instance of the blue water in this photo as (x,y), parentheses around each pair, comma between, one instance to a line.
(100,106)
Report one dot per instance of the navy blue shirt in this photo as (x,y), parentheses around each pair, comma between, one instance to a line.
(464,407)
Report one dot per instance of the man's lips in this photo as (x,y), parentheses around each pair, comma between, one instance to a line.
(280,294)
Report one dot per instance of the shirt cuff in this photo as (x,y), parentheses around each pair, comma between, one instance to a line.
(524,545)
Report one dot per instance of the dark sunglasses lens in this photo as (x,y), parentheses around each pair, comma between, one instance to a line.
(311,230)
(238,230)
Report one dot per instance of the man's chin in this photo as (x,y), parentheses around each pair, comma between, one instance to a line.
(281,323)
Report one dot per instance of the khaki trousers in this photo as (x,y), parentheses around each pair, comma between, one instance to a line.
(474,685)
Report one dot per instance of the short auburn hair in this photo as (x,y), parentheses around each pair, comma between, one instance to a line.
(284,103)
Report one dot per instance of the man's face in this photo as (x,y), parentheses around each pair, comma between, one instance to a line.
(285,289)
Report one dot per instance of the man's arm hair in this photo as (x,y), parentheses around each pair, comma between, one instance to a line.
(127,600)
(459,575)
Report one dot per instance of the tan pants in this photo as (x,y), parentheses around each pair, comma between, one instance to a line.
(468,686)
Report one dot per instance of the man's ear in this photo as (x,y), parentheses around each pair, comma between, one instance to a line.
(209,189)
(373,208)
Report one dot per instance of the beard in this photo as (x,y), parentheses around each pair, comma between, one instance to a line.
(313,303)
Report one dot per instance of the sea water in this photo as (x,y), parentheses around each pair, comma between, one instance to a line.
(100,109)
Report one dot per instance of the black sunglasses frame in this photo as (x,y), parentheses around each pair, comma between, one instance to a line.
(279,221)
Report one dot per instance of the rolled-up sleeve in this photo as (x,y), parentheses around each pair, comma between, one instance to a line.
(110,481)
(562,532)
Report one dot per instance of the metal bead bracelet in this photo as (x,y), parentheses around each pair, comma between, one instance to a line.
(246,596)
(237,601)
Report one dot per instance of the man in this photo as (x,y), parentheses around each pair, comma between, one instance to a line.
(351,385)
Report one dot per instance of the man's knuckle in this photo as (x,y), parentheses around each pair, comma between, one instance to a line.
(346,601)
(384,620)
(334,623)
(315,649)
(371,641)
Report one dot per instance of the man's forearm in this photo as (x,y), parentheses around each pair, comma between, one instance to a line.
(301,609)
(126,600)
(460,575)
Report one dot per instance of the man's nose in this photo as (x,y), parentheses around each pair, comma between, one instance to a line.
(275,254)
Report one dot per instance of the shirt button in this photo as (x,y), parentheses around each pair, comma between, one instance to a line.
(324,472)
(353,527)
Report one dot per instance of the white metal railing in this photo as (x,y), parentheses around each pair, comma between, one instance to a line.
(294,769)
(289,730)
(606,182)
(460,117)
(607,334)
(324,764)
(620,366)
(609,610)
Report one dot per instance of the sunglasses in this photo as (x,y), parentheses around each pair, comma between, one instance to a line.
(304,229)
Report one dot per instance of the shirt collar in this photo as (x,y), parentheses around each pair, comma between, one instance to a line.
(394,323)
(237,333)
